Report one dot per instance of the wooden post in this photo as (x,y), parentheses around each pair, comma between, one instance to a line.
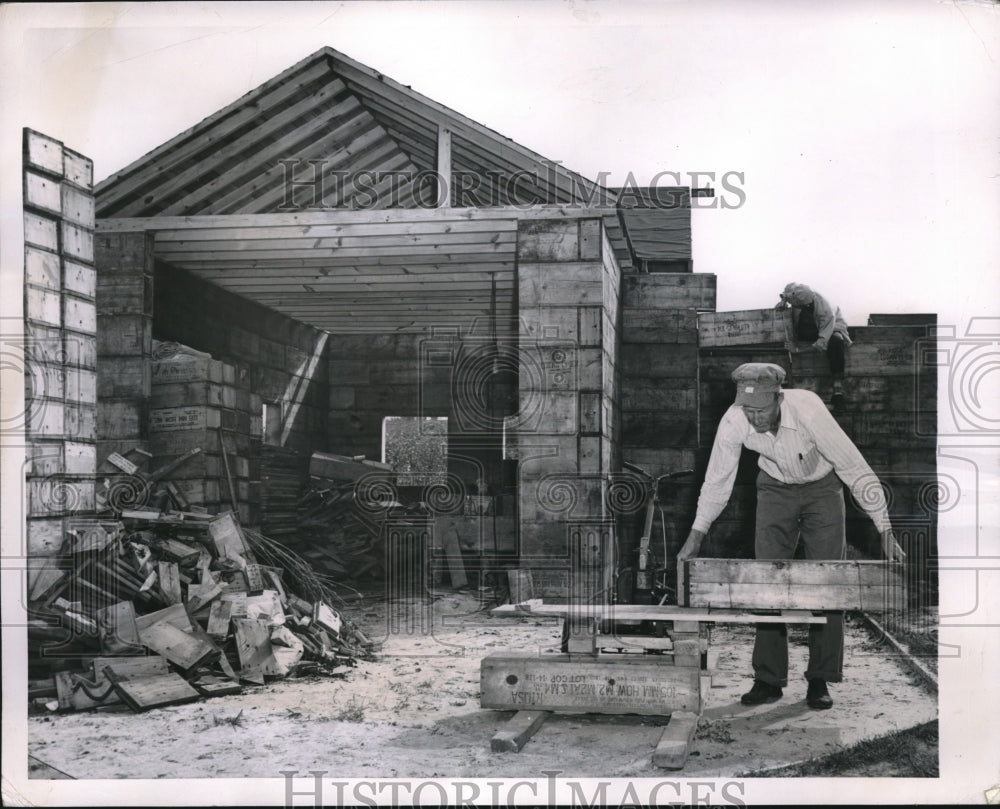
(444,167)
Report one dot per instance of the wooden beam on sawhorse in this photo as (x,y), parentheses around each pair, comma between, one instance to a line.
(637,613)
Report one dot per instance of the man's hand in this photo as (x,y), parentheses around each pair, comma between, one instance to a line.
(691,546)
(791,347)
(890,547)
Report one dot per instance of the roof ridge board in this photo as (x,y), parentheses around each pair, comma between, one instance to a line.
(234,174)
(240,104)
(234,153)
(438,109)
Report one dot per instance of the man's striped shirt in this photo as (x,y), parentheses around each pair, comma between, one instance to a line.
(809,445)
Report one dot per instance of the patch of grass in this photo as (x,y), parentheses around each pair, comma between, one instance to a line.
(714,731)
(911,753)
(354,711)
(233,721)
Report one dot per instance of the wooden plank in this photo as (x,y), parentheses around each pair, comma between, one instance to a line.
(794,584)
(228,538)
(634,642)
(444,166)
(636,613)
(132,666)
(119,634)
(675,743)
(156,691)
(170,583)
(201,594)
(625,684)
(518,730)
(178,646)
(76,693)
(253,644)
(744,327)
(299,219)
(209,686)
(453,553)
(122,463)
(218,619)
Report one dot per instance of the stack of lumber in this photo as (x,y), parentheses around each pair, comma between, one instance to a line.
(283,477)
(197,402)
(157,608)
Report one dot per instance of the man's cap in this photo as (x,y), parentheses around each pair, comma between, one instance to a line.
(757,382)
(797,294)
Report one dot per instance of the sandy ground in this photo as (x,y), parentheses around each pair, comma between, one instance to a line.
(415,713)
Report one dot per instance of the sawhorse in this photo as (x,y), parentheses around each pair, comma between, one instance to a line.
(666,676)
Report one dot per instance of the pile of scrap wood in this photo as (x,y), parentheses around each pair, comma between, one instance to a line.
(343,515)
(158,608)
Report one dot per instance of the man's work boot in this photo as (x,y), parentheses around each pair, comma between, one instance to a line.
(837,399)
(817,696)
(760,693)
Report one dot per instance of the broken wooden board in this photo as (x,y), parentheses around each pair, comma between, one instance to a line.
(255,578)
(170,583)
(76,693)
(119,633)
(326,618)
(617,684)
(792,584)
(199,595)
(179,552)
(229,540)
(122,463)
(744,327)
(253,644)
(174,614)
(179,647)
(155,691)
(518,730)
(209,686)
(636,613)
(675,743)
(342,467)
(138,666)
(265,606)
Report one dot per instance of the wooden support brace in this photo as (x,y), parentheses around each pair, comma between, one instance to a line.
(675,743)
(518,730)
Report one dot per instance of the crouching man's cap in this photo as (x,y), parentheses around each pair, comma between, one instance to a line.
(757,382)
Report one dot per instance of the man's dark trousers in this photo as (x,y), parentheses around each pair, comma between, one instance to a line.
(814,512)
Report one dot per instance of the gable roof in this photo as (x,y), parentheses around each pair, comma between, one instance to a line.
(348,118)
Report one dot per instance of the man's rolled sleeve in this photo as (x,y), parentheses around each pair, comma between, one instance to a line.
(849,464)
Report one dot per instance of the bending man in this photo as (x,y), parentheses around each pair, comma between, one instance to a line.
(804,457)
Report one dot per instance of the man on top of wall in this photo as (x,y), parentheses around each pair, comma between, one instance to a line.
(816,322)
(805,459)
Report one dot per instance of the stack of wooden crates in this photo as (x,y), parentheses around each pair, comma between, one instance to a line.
(57,352)
(201,403)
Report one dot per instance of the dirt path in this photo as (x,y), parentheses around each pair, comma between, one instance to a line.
(415,713)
